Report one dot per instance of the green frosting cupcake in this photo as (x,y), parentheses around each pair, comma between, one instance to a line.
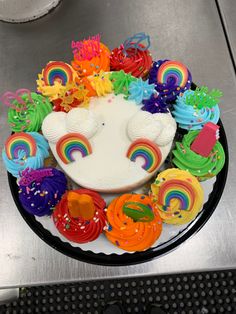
(202,167)
(30,119)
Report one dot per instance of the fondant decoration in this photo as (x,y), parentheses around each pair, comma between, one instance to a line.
(206,139)
(57,71)
(87,49)
(146,150)
(138,211)
(70,143)
(20,142)
(139,41)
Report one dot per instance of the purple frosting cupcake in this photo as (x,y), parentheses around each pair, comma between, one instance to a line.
(170,78)
(40,190)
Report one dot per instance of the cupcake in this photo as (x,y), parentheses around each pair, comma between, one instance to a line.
(202,167)
(40,190)
(90,56)
(171,78)
(177,196)
(193,109)
(133,56)
(24,150)
(80,215)
(27,113)
(133,223)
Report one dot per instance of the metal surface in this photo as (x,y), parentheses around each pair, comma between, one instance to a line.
(189,31)
(228,12)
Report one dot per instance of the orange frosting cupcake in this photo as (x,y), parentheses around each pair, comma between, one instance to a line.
(86,67)
(132,234)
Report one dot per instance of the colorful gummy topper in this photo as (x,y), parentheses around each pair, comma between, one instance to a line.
(70,143)
(57,71)
(138,211)
(15,100)
(176,189)
(173,73)
(87,48)
(30,175)
(203,98)
(20,142)
(146,150)
(139,41)
(205,141)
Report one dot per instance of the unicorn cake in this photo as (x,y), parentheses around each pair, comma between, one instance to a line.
(105,120)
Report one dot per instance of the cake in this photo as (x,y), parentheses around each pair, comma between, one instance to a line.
(110,119)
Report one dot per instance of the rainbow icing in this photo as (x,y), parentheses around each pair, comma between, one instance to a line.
(173,71)
(57,71)
(20,142)
(147,150)
(70,143)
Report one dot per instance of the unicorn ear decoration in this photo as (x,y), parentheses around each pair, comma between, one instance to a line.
(159,127)
(70,132)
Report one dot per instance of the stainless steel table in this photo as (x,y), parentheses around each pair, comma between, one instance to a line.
(186,30)
(228,13)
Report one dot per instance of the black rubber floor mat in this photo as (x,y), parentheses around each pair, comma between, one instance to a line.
(190,293)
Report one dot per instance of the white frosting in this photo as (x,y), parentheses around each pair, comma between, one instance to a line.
(108,169)
(143,125)
(169,128)
(83,121)
(54,126)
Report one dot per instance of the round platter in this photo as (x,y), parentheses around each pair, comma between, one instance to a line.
(136,257)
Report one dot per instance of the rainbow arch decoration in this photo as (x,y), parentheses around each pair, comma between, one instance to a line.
(177,190)
(20,142)
(148,151)
(57,71)
(70,143)
(173,70)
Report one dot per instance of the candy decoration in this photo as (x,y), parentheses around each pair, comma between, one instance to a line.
(57,71)
(206,139)
(20,142)
(139,41)
(173,72)
(203,98)
(138,211)
(10,99)
(148,151)
(70,143)
(87,48)
(177,195)
(81,205)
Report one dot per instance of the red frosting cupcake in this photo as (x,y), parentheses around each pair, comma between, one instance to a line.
(80,215)
(133,56)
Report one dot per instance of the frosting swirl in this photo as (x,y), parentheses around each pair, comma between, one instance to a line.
(30,119)
(177,195)
(40,190)
(128,234)
(169,81)
(16,165)
(190,117)
(136,62)
(201,167)
(96,64)
(77,228)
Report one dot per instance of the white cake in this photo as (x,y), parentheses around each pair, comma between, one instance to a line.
(110,123)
